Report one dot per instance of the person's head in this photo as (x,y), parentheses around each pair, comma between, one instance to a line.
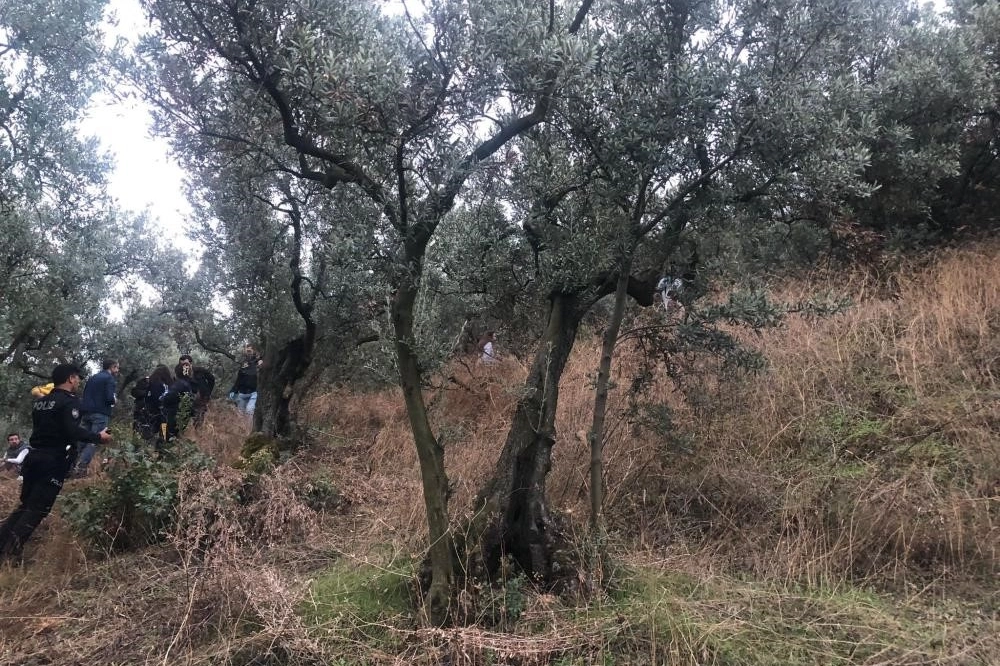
(66,376)
(111,365)
(488,336)
(13,439)
(183,367)
(249,351)
(160,374)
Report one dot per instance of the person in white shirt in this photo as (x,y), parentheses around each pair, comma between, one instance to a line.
(669,289)
(487,355)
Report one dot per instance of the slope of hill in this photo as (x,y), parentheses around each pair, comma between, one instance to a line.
(840,507)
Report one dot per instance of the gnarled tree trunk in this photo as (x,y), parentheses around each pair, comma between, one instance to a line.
(512,508)
(276,384)
(511,511)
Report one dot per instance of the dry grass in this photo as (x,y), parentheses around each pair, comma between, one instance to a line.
(840,508)
(875,433)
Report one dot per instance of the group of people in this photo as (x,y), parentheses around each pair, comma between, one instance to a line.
(165,403)
(56,428)
(66,429)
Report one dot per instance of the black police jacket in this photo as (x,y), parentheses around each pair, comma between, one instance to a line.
(56,422)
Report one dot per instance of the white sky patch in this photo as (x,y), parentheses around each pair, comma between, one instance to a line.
(145,176)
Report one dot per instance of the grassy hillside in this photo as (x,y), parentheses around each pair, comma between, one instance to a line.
(841,507)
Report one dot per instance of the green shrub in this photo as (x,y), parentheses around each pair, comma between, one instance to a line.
(135,506)
(319,494)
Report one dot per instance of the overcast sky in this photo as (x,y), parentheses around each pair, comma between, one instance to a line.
(145,176)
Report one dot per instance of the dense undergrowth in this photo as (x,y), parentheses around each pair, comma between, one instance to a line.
(841,507)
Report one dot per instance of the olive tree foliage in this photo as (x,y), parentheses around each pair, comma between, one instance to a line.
(698,119)
(932,88)
(971,196)
(285,257)
(480,272)
(64,244)
(399,110)
(139,338)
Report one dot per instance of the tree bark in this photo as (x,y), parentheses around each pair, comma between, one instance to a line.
(431,456)
(276,384)
(596,436)
(282,369)
(513,512)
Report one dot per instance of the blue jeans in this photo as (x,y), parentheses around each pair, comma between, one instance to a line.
(245,402)
(94,423)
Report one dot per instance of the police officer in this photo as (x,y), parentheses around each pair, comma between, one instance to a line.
(56,421)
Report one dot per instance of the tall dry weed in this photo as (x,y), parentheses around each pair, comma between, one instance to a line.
(867,449)
(870,446)
(227,527)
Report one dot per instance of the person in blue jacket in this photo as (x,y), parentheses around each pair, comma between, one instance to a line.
(99,397)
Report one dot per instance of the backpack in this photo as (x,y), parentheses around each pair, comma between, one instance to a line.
(139,390)
(204,382)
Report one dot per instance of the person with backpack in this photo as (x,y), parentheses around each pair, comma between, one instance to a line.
(53,447)
(177,402)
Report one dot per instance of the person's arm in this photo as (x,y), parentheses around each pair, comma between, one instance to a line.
(236,381)
(110,398)
(72,430)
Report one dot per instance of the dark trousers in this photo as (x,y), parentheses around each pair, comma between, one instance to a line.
(170,417)
(44,473)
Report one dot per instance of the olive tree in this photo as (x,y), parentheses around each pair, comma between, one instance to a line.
(400,109)
(285,256)
(699,120)
(65,244)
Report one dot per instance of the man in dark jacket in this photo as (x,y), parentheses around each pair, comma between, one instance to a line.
(178,400)
(56,421)
(99,399)
(16,448)
(244,390)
